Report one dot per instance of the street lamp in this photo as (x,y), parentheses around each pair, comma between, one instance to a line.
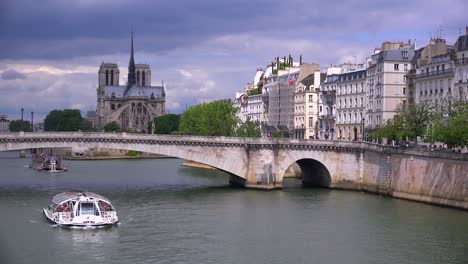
(363,119)
(32,121)
(21,124)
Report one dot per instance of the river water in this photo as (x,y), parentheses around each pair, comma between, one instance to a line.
(172,214)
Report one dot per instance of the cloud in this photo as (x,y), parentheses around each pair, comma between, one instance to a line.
(12,75)
(203,50)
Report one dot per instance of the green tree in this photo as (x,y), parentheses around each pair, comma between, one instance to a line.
(450,127)
(15,126)
(166,124)
(209,119)
(112,127)
(66,120)
(248,129)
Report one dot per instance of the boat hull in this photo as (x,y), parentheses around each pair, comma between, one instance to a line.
(51,220)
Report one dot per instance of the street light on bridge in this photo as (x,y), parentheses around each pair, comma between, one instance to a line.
(21,124)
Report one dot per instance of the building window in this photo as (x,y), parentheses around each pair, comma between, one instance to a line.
(311,122)
(405,67)
(112,77)
(112,107)
(311,98)
(404,54)
(107,77)
(395,67)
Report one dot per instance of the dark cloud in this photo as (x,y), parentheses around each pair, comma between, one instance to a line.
(65,29)
(203,50)
(12,75)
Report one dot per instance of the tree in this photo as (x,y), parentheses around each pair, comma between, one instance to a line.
(209,119)
(66,120)
(451,127)
(15,126)
(112,127)
(166,124)
(248,129)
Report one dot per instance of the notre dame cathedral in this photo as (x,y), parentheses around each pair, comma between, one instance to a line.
(134,105)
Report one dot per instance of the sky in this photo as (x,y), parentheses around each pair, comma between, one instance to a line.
(50,50)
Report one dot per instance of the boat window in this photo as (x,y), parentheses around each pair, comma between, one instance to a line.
(63,208)
(103,206)
(87,208)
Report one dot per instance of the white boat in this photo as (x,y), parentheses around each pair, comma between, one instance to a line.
(80,209)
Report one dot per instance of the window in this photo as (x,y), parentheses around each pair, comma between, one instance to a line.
(310,98)
(112,107)
(320,109)
(405,67)
(404,54)
(311,122)
(395,67)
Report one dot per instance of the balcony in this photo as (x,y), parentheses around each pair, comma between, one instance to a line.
(433,74)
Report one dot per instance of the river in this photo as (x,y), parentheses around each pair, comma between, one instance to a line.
(173,214)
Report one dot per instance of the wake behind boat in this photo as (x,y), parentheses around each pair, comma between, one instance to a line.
(80,209)
(45,162)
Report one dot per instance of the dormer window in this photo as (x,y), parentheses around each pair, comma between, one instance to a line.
(113,95)
(152,96)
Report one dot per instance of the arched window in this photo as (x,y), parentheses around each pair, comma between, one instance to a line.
(152,95)
(112,78)
(143,77)
(113,95)
(107,77)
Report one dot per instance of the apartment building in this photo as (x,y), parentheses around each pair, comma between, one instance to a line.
(350,104)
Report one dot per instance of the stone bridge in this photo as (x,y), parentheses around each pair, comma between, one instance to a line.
(251,162)
(438,178)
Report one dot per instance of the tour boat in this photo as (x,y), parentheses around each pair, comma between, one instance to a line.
(80,209)
(50,163)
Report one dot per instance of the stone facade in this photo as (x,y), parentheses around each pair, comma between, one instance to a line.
(134,105)
(306,102)
(386,79)
(351,102)
(461,67)
(4,123)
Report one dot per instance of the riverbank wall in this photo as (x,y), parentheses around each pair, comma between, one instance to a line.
(435,178)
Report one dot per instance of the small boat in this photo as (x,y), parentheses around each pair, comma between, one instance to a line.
(80,209)
(50,163)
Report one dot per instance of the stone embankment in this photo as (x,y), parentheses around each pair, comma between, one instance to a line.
(436,178)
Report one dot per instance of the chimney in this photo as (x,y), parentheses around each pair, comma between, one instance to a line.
(316,79)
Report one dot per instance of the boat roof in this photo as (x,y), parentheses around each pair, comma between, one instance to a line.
(65,196)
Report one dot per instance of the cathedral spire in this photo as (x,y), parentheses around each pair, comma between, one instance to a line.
(131,68)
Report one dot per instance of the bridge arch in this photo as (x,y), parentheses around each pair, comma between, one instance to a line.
(220,157)
(313,173)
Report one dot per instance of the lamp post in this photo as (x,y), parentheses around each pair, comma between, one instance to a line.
(21,124)
(32,121)
(363,119)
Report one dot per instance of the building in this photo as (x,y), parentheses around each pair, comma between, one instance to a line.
(434,79)
(327,104)
(4,123)
(461,66)
(350,104)
(386,79)
(279,88)
(91,117)
(306,101)
(134,105)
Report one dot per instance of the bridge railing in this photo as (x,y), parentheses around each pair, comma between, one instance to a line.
(232,141)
